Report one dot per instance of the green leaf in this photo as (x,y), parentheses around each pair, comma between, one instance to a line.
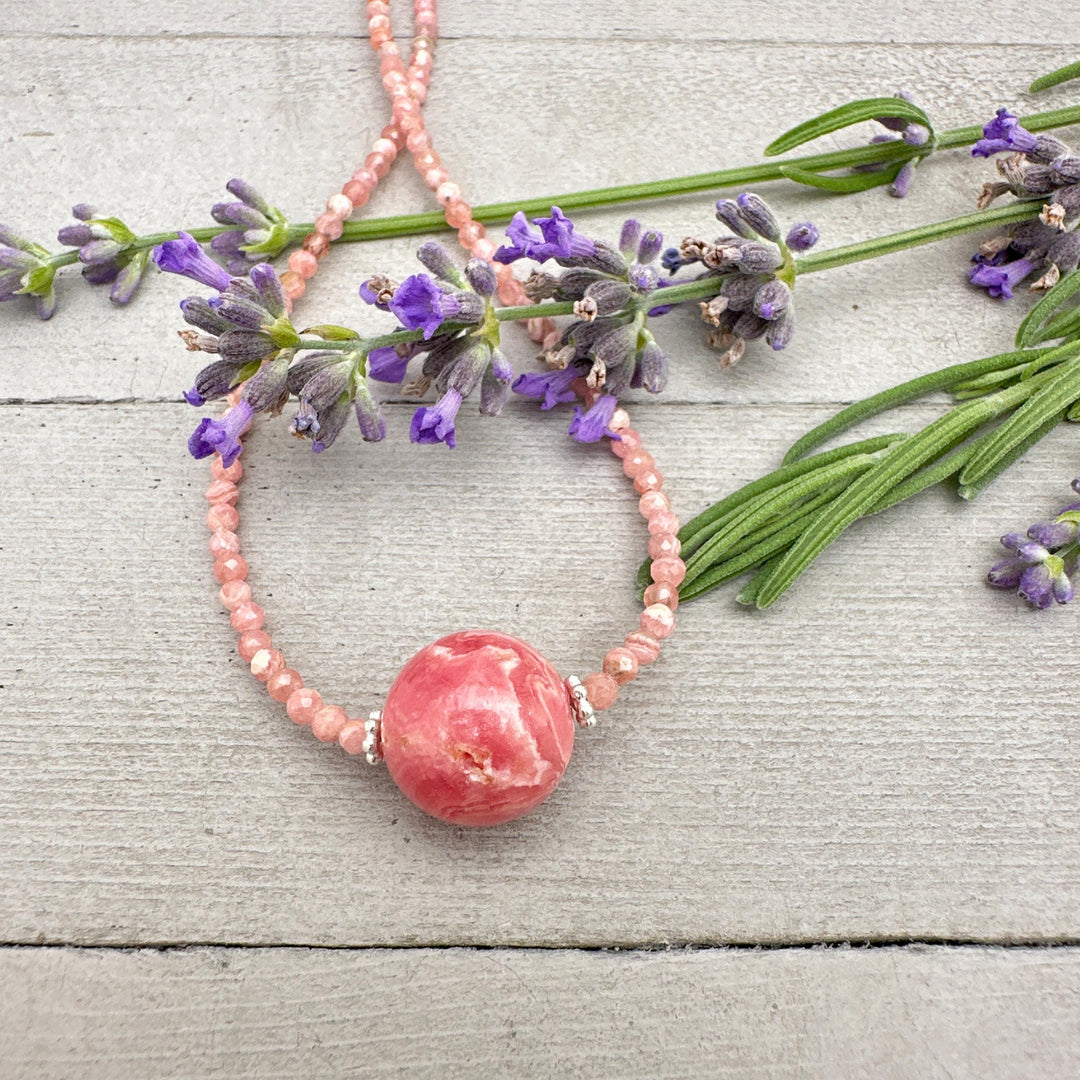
(38,282)
(1053,78)
(971,491)
(117,229)
(1027,331)
(1066,325)
(843,185)
(330,332)
(748,594)
(1054,397)
(852,113)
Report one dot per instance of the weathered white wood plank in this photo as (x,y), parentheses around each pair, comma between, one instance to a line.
(685,21)
(934,1013)
(293,121)
(890,753)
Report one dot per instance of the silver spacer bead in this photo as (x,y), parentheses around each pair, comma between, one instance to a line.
(579,699)
(372,744)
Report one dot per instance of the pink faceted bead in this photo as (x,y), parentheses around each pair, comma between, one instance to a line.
(394,134)
(379,164)
(602,690)
(327,723)
(620,420)
(662,592)
(394,81)
(447,193)
(458,213)
(425,160)
(418,90)
(303,704)
(403,106)
(234,593)
(663,521)
(304,263)
(367,178)
(230,568)
(222,516)
(484,249)
(265,663)
(627,442)
(412,123)
(292,284)
(223,542)
(651,502)
(284,683)
(351,737)
(470,233)
(339,205)
(384,146)
(330,226)
(357,193)
(417,141)
(636,462)
(250,643)
(668,568)
(658,620)
(247,616)
(650,480)
(232,472)
(663,544)
(379,38)
(644,646)
(477,729)
(435,176)
(377,7)
(379,22)
(621,664)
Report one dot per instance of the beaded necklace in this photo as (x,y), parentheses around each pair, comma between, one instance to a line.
(478,727)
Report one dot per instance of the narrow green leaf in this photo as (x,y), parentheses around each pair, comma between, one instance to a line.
(330,332)
(842,185)
(1053,78)
(1066,325)
(1021,447)
(988,383)
(1033,320)
(1053,398)
(902,394)
(852,113)
(748,594)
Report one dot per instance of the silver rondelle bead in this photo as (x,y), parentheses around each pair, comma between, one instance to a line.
(372,744)
(579,699)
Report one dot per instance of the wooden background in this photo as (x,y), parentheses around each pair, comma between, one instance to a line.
(837,839)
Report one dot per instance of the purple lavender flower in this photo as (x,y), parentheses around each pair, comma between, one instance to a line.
(556,239)
(551,388)
(902,182)
(1040,564)
(435,423)
(592,426)
(1004,133)
(999,280)
(221,436)
(184,256)
(420,304)
(260,230)
(26,269)
(803,236)
(388,364)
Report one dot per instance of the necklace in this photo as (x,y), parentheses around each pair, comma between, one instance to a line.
(478,727)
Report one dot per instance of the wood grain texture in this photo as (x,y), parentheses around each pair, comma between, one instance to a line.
(938,1014)
(890,753)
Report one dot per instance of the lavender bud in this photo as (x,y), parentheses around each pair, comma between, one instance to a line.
(609,296)
(652,243)
(628,238)
(1053,534)
(1064,252)
(75,235)
(616,346)
(268,389)
(605,259)
(246,346)
(803,236)
(756,213)
(198,312)
(321,390)
(14,259)
(330,424)
(781,331)
(481,276)
(749,326)
(653,368)
(739,290)
(216,380)
(247,194)
(1046,150)
(309,365)
(1066,169)
(898,189)
(542,286)
(83,211)
(671,260)
(466,372)
(575,283)
(755,258)
(438,260)
(369,415)
(771,300)
(99,251)
(101,273)
(238,213)
(727,211)
(130,277)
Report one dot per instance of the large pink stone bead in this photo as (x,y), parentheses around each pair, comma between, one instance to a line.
(477,729)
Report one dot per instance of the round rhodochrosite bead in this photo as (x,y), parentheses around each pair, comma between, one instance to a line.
(477,729)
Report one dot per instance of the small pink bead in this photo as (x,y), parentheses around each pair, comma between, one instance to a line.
(231,568)
(220,472)
(662,592)
(327,723)
(602,690)
(250,643)
(404,106)
(284,683)
(304,263)
(422,59)
(417,89)
(339,205)
(637,461)
(234,593)
(668,568)
(366,177)
(658,620)
(223,543)
(292,283)
(265,663)
(379,38)
(390,62)
(620,419)
(627,442)
(379,22)
(303,704)
(648,481)
(653,501)
(379,164)
(470,233)
(409,124)
(664,544)
(458,212)
(394,82)
(330,226)
(427,23)
(357,193)
(222,516)
(351,737)
(384,146)
(417,141)
(394,134)
(447,193)
(434,177)
(484,249)
(247,616)
(391,49)
(425,160)
(663,521)
(644,646)
(377,7)
(621,664)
